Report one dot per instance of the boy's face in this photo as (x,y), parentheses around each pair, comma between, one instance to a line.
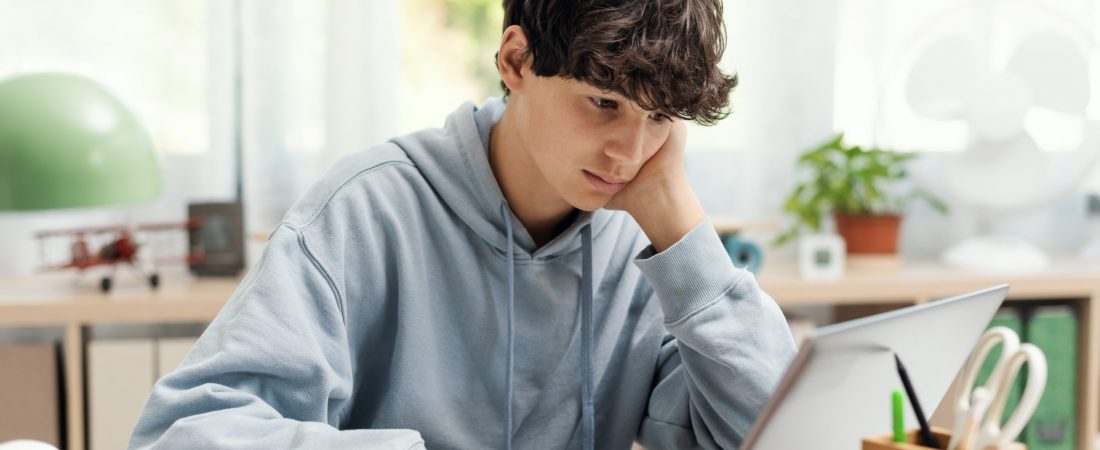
(586,143)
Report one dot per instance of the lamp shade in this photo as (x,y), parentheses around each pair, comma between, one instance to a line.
(66,142)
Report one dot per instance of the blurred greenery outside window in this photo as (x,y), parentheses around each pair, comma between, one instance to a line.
(448,49)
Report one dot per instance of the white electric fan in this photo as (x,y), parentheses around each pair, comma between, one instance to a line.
(1004,87)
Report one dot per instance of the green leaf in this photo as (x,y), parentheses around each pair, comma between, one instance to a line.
(934,202)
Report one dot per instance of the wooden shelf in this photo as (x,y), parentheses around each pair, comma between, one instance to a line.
(53,300)
(733,225)
(922,281)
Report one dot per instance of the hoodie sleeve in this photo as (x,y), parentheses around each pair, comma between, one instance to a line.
(272,371)
(727,349)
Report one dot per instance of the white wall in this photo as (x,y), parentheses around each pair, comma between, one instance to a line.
(783,52)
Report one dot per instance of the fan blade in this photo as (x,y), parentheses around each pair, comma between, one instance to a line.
(940,78)
(998,175)
(1055,71)
(997,106)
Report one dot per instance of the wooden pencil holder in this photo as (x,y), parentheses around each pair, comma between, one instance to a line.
(886,442)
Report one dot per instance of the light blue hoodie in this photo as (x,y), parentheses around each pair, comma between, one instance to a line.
(401,304)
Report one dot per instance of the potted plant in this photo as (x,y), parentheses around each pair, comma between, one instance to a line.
(857,187)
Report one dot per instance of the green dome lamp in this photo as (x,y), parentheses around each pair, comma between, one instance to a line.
(66,142)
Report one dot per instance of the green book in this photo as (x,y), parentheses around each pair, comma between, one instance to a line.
(1007,316)
(1054,425)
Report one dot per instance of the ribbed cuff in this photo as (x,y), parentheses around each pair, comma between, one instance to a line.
(691,274)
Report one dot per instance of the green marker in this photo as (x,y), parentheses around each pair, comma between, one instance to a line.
(899,416)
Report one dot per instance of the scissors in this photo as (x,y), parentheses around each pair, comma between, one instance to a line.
(979,409)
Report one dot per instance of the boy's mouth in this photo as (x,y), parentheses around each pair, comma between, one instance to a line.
(603,183)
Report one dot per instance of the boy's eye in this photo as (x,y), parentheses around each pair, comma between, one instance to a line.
(660,117)
(603,103)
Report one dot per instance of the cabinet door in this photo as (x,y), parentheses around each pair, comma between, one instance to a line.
(29,386)
(120,375)
(171,352)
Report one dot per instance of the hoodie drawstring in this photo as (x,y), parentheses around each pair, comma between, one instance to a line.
(588,418)
(511,328)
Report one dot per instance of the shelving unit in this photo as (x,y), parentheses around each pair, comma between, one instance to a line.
(55,301)
(913,283)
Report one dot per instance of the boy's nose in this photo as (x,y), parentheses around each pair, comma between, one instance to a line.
(627,149)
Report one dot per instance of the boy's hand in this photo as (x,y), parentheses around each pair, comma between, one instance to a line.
(659,197)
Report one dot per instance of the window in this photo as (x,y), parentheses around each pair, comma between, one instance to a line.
(447,55)
(153,55)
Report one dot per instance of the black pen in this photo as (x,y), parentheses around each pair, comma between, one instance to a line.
(926,437)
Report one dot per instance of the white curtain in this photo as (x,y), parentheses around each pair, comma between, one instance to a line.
(338,60)
(783,51)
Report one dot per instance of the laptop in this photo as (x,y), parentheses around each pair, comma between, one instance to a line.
(838,389)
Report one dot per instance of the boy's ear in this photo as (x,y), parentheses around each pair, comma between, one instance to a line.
(511,57)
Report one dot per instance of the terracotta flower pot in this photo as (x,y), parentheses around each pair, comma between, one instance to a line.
(869,234)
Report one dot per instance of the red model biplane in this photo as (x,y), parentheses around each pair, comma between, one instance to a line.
(120,245)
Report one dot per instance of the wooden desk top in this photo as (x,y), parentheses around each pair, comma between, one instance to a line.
(56,299)
(922,281)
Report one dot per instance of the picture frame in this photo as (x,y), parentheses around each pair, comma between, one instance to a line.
(220,238)
(821,256)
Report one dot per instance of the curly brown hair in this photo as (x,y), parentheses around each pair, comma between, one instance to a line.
(662,54)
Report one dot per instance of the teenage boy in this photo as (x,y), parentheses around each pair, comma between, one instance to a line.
(536,274)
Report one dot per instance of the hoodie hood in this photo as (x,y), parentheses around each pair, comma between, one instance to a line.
(455,161)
